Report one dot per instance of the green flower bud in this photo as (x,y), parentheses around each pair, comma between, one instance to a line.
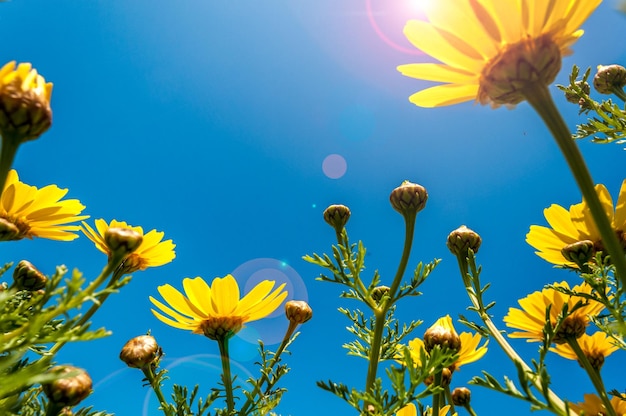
(379,292)
(68,391)
(298,311)
(442,334)
(608,78)
(141,351)
(337,216)
(579,252)
(572,97)
(408,199)
(122,241)
(8,230)
(461,396)
(461,240)
(27,277)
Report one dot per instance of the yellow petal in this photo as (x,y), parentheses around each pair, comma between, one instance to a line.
(438,72)
(443,95)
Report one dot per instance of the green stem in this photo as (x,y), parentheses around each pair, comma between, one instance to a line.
(7,154)
(496,334)
(619,92)
(380,314)
(111,267)
(227,378)
(540,99)
(593,373)
(264,377)
(437,396)
(470,410)
(449,399)
(148,371)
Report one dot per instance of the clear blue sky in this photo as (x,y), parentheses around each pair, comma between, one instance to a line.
(211,120)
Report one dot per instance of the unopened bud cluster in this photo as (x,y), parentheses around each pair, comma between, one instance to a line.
(68,391)
(574,98)
(27,277)
(298,311)
(141,351)
(463,239)
(337,216)
(379,292)
(122,241)
(579,252)
(461,396)
(608,78)
(442,334)
(408,198)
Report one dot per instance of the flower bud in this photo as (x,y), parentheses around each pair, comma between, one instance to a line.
(461,240)
(337,216)
(68,391)
(122,241)
(27,277)
(379,292)
(573,326)
(442,334)
(141,351)
(8,230)
(446,378)
(24,103)
(573,97)
(408,198)
(461,396)
(608,78)
(579,252)
(298,311)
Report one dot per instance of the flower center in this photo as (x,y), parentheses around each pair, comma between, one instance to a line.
(572,327)
(13,228)
(529,61)
(220,327)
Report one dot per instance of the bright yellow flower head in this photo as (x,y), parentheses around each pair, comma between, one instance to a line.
(596,348)
(27,212)
(216,311)
(593,406)
(576,225)
(531,319)
(469,350)
(24,102)
(411,410)
(490,50)
(152,252)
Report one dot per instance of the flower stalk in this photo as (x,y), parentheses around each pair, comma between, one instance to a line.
(540,99)
(593,373)
(227,378)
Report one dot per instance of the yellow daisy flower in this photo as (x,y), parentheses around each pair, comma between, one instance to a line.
(596,348)
(152,252)
(531,319)
(575,226)
(24,102)
(593,406)
(469,352)
(443,332)
(27,212)
(411,410)
(216,311)
(491,50)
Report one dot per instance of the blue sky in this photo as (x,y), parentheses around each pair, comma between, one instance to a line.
(211,121)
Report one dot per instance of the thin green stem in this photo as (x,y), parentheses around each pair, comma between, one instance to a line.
(227,377)
(540,99)
(111,267)
(449,399)
(264,377)
(496,334)
(7,154)
(619,92)
(148,371)
(593,373)
(381,313)
(437,396)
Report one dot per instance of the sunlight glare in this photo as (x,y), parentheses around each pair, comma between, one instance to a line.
(421,5)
